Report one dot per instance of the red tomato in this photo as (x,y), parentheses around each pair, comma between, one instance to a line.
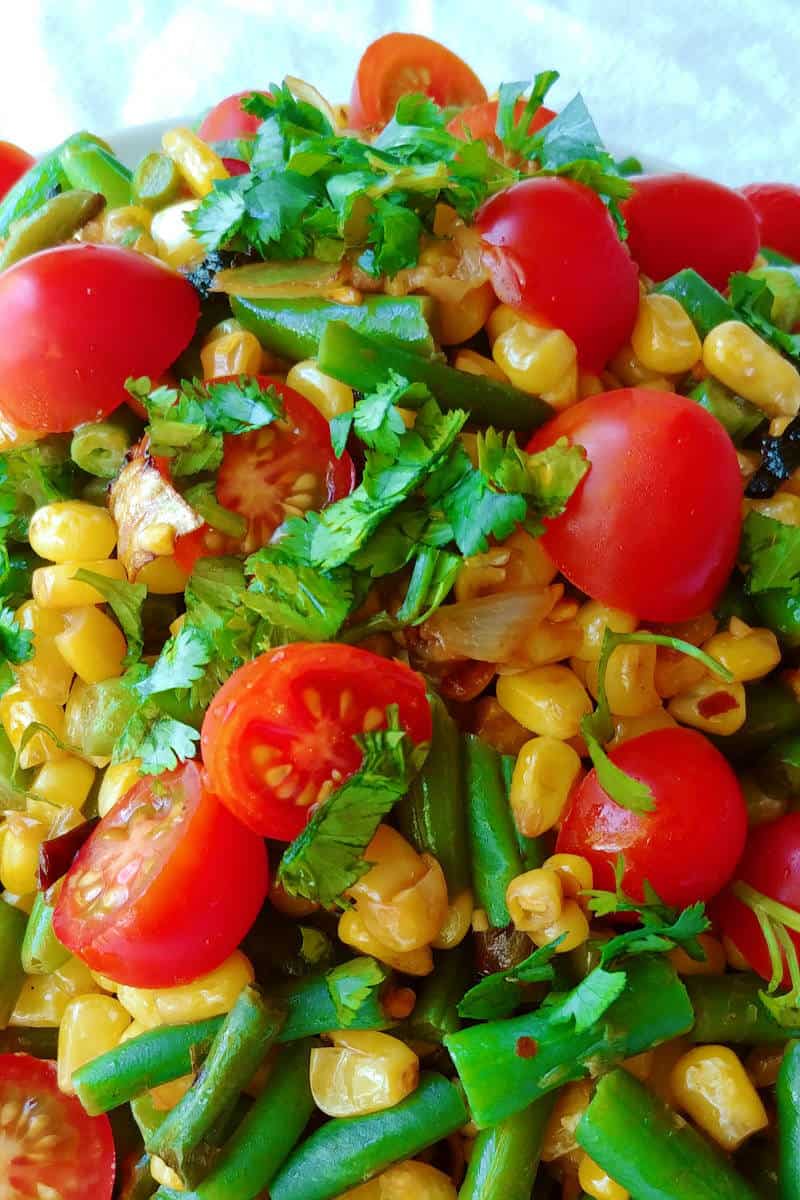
(478,122)
(229,120)
(166,887)
(14,162)
(777,209)
(654,525)
(400,63)
(278,737)
(677,221)
(554,254)
(76,322)
(48,1144)
(687,848)
(771,865)
(235,166)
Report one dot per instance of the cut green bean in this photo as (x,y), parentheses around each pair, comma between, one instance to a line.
(787,1093)
(12,974)
(348,1150)
(505,1158)
(704,304)
(533,850)
(727,1008)
(651,1151)
(99,448)
(96,169)
(39,183)
(156,181)
(347,996)
(490,827)
(436,1011)
(42,952)
(738,416)
(50,225)
(362,362)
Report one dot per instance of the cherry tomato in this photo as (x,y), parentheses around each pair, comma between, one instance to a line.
(278,737)
(777,209)
(771,865)
(653,527)
(400,63)
(166,887)
(235,166)
(677,221)
(687,848)
(553,253)
(478,122)
(76,321)
(48,1145)
(14,162)
(229,120)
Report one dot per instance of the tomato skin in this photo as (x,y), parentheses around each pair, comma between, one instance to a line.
(399,63)
(554,255)
(186,917)
(687,848)
(479,121)
(677,221)
(77,320)
(82,1159)
(264,704)
(777,209)
(650,528)
(229,120)
(14,162)
(771,865)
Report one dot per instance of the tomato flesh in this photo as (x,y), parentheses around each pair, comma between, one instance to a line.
(653,527)
(554,255)
(278,736)
(777,209)
(48,1145)
(14,162)
(687,848)
(166,887)
(228,120)
(479,120)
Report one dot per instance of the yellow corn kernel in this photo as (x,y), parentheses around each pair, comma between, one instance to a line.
(574,871)
(164,1175)
(659,384)
(763,1064)
(626,370)
(529,565)
(783,507)
(747,653)
(44,998)
(362,1072)
(46,674)
(91,1025)
(664,338)
(593,1179)
(712,1086)
(197,162)
(547,700)
(124,226)
(92,644)
(559,1135)
(630,675)
(713,964)
(640,1065)
(72,531)
(133,1030)
(763,806)
(20,839)
(572,924)
(163,576)
(237,353)
(18,710)
(545,772)
(593,619)
(482,574)
(117,781)
(328,395)
(457,323)
(676,672)
(65,782)
(536,360)
(744,362)
(177,246)
(55,587)
(402,899)
(456,923)
(167,1095)
(477,364)
(395,865)
(209,996)
(535,899)
(405,1181)
(713,706)
(626,728)
(499,320)
(549,642)
(353,932)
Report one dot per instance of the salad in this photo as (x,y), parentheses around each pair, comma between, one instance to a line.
(399,692)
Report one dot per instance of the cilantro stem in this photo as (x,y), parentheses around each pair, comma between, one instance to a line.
(757,901)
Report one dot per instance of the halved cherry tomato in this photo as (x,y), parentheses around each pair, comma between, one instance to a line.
(771,865)
(677,221)
(48,1145)
(166,887)
(687,848)
(229,120)
(553,253)
(278,737)
(479,121)
(777,209)
(14,162)
(400,63)
(76,321)
(653,527)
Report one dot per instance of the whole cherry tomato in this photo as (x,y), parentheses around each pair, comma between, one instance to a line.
(777,209)
(14,162)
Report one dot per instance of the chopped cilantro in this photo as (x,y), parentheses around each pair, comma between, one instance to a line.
(160,741)
(770,552)
(754,301)
(30,478)
(125,601)
(179,664)
(587,1002)
(351,984)
(499,994)
(777,923)
(16,644)
(307,603)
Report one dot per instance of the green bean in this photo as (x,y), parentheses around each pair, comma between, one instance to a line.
(12,974)
(349,995)
(436,1010)
(505,1158)
(136,1180)
(39,183)
(362,361)
(647,1148)
(156,181)
(738,416)
(96,715)
(702,302)
(99,448)
(727,1008)
(787,1093)
(50,225)
(42,952)
(346,1151)
(98,170)
(533,850)
(490,826)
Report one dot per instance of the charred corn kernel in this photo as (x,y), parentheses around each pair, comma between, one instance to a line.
(117,781)
(477,364)
(628,369)
(593,1179)
(572,924)
(545,772)
(236,353)
(91,1025)
(783,507)
(713,706)
(405,1181)
(547,700)
(640,1065)
(549,642)
(44,998)
(664,338)
(535,899)
(712,1086)
(744,362)
(536,360)
(402,899)
(328,395)
(167,1095)
(589,385)
(46,674)
(177,246)
(353,932)
(626,728)
(574,871)
(456,923)
(593,619)
(65,782)
(20,839)
(163,576)
(197,162)
(362,1072)
(164,1175)
(55,587)
(92,644)
(72,531)
(457,323)
(763,1064)
(713,964)
(19,709)
(559,1135)
(763,805)
(500,320)
(747,653)
(676,672)
(208,996)
(497,727)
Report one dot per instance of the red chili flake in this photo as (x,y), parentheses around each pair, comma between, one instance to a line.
(716,704)
(526,1047)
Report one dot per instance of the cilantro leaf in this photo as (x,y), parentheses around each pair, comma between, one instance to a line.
(160,741)
(754,302)
(30,478)
(587,1002)
(771,552)
(218,217)
(499,994)
(351,984)
(16,643)
(179,664)
(125,601)
(513,131)
(432,578)
(311,604)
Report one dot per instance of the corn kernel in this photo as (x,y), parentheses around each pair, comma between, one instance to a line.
(664,338)
(362,1072)
(117,781)
(329,396)
(163,576)
(236,353)
(209,996)
(594,618)
(197,162)
(55,587)
(630,680)
(783,507)
(123,226)
(547,700)
(744,362)
(593,1179)
(559,1135)
(747,653)
(164,1175)
(456,923)
(402,899)
(537,360)
(492,723)
(589,385)
(676,672)
(18,710)
(713,964)
(177,246)
(736,960)
(763,1064)
(535,899)
(46,674)
(574,871)
(457,323)
(549,642)
(405,1181)
(72,531)
(711,1085)
(499,320)
(626,728)
(92,644)
(65,782)
(626,370)
(353,932)
(91,1025)
(545,772)
(572,924)
(167,1095)
(713,706)
(21,837)
(44,998)
(477,364)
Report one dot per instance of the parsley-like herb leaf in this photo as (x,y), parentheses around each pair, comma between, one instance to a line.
(16,643)
(160,741)
(499,994)
(587,1002)
(770,550)
(309,603)
(125,601)
(179,664)
(351,984)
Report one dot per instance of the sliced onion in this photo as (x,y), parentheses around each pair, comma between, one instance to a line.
(487,629)
(280,280)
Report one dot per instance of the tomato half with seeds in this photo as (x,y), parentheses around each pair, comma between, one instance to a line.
(166,887)
(278,737)
(48,1145)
